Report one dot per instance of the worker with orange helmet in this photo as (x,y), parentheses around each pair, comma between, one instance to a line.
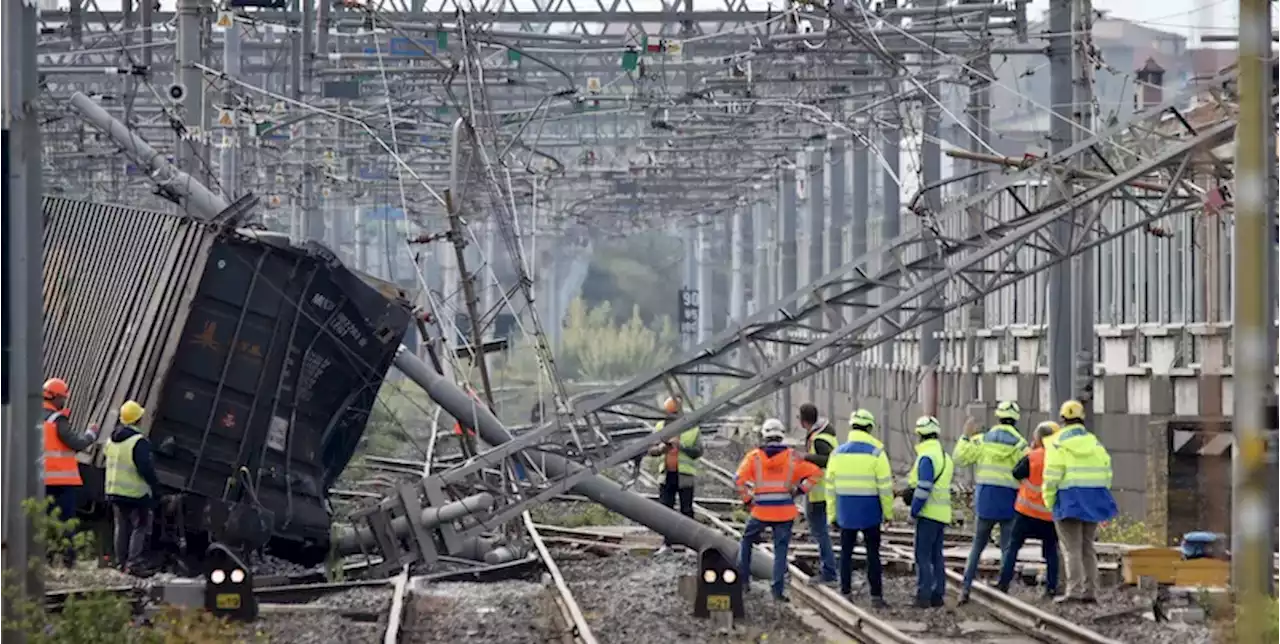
(62,479)
(676,461)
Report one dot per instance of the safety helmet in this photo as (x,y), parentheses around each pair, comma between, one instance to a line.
(131,412)
(1071,410)
(928,425)
(671,405)
(56,388)
(862,419)
(1008,410)
(773,430)
(1044,430)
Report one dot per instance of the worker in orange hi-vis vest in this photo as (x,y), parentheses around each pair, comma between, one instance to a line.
(1034,520)
(62,480)
(466,433)
(769,480)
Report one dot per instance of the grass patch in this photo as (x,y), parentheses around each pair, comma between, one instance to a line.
(1127,530)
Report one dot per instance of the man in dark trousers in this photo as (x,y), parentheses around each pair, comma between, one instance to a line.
(820,442)
(131,488)
(677,464)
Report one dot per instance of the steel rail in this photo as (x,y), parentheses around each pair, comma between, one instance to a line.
(395,615)
(577,622)
(1021,615)
(853,621)
(1007,609)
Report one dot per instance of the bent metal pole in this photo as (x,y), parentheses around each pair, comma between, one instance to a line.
(671,524)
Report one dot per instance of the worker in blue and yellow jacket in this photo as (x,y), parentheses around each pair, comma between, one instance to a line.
(993,455)
(1077,488)
(930,483)
(859,492)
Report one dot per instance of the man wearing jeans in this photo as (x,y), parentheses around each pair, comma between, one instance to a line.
(768,480)
(993,455)
(859,490)
(820,441)
(930,487)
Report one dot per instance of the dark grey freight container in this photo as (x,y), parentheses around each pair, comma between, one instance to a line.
(258,362)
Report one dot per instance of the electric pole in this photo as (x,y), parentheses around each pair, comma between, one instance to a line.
(23,453)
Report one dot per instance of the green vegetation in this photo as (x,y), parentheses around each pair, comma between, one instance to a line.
(1126,529)
(642,272)
(594,347)
(575,515)
(96,618)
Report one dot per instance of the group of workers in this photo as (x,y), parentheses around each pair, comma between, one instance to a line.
(131,478)
(1057,489)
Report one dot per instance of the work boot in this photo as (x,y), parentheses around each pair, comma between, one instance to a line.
(964,598)
(879,602)
(1048,594)
(782,599)
(921,602)
(937,602)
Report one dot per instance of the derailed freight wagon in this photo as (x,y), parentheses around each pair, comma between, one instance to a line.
(258,363)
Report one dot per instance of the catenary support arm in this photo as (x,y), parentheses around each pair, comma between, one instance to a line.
(673,525)
(183,186)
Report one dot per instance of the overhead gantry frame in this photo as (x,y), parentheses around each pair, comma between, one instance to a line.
(909,269)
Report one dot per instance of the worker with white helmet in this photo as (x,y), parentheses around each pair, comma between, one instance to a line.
(676,464)
(930,483)
(1077,489)
(769,478)
(993,453)
(131,487)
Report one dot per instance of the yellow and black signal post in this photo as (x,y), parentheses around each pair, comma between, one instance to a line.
(719,589)
(228,590)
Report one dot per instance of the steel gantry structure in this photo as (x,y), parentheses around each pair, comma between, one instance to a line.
(740,121)
(831,319)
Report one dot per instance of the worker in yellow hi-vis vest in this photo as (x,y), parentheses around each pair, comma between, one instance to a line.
(676,463)
(132,487)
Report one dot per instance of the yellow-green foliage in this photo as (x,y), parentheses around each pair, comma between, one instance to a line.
(575,515)
(1125,529)
(593,347)
(95,618)
(1227,628)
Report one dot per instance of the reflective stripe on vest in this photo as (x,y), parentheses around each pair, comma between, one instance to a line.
(770,490)
(683,464)
(60,465)
(938,505)
(1030,498)
(123,478)
(993,467)
(818,493)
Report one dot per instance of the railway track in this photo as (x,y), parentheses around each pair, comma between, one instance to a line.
(864,626)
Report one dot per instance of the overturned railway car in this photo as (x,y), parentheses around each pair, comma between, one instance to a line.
(258,363)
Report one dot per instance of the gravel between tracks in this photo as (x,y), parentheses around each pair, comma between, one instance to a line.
(511,612)
(1133,627)
(636,599)
(313,626)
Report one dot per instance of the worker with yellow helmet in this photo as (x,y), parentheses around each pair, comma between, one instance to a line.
(1077,489)
(131,488)
(676,462)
